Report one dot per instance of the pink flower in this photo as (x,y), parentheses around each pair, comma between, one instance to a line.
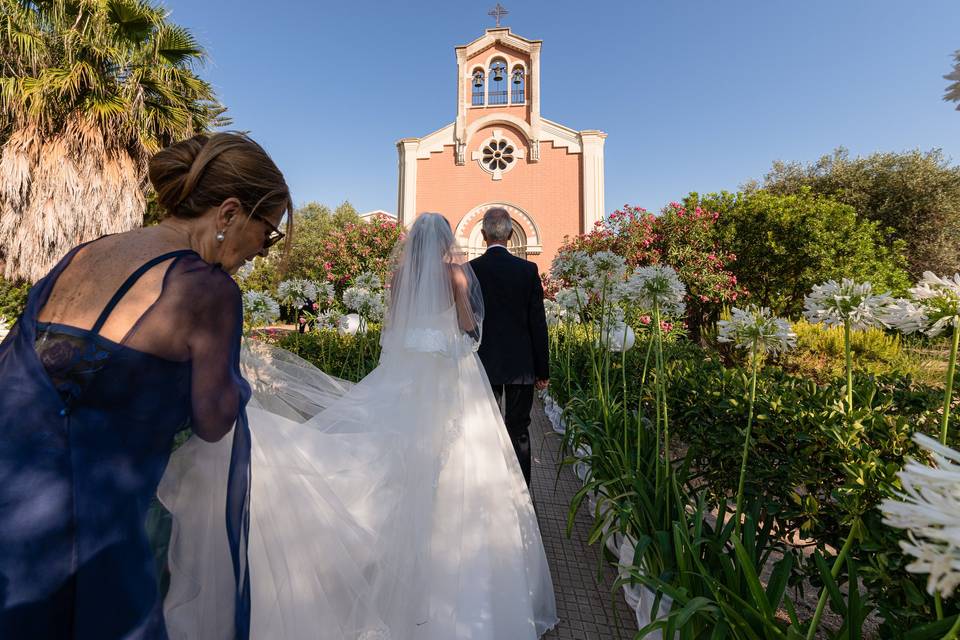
(666,326)
(315,306)
(303,321)
(645,320)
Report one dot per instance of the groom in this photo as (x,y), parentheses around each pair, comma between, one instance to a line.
(514,345)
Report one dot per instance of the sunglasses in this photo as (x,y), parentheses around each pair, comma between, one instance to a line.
(275,234)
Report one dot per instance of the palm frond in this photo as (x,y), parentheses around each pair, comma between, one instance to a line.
(953,89)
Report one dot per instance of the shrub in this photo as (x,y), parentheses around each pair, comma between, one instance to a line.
(13,298)
(349,357)
(785,244)
(915,194)
(357,248)
(819,353)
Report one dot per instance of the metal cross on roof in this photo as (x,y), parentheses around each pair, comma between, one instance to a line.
(497,13)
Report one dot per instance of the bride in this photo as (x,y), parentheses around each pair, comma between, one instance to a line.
(392,509)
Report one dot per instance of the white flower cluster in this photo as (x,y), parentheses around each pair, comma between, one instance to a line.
(297,292)
(572,301)
(259,309)
(326,293)
(605,273)
(555,312)
(365,296)
(571,266)
(833,303)
(368,280)
(656,286)
(757,326)
(929,509)
(244,272)
(4,327)
(328,319)
(933,306)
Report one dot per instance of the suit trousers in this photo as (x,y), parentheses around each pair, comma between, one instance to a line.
(515,401)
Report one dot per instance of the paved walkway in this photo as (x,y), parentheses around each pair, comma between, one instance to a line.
(588,609)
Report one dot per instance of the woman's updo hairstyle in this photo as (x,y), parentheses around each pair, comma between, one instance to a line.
(196,174)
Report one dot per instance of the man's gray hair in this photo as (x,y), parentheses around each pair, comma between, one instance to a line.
(497,225)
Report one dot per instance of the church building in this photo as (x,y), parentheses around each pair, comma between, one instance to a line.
(501,152)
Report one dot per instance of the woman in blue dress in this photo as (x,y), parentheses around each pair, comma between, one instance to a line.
(127,341)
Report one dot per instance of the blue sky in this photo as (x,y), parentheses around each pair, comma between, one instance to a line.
(696,95)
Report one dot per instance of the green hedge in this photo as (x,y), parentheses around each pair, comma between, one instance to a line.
(343,356)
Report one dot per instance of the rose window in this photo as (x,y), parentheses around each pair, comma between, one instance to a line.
(498,154)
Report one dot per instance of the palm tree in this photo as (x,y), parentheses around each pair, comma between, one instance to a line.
(953,89)
(89,89)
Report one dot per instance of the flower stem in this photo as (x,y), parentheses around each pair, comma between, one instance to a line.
(952,634)
(746,439)
(835,571)
(626,411)
(661,399)
(849,356)
(643,385)
(948,392)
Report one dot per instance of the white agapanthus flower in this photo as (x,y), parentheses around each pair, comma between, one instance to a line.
(832,303)
(572,300)
(570,266)
(656,285)
(906,316)
(368,280)
(934,306)
(326,293)
(356,298)
(377,308)
(929,510)
(244,272)
(754,325)
(297,292)
(367,303)
(555,312)
(259,309)
(605,272)
(607,263)
(328,319)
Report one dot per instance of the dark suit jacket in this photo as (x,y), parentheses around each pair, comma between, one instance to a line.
(514,347)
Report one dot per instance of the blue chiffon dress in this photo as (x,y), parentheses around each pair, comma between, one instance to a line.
(86,430)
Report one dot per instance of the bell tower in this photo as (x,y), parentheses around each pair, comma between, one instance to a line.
(498,75)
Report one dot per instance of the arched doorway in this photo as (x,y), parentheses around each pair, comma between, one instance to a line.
(524,241)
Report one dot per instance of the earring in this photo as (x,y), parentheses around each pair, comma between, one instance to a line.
(220,236)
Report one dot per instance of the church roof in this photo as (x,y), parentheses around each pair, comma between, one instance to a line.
(502,35)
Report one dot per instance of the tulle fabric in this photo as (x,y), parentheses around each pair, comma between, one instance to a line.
(392,509)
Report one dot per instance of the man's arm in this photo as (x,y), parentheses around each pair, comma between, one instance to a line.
(538,331)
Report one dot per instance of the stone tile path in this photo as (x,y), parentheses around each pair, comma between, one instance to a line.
(588,608)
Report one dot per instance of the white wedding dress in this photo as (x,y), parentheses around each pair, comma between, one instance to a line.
(391,509)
